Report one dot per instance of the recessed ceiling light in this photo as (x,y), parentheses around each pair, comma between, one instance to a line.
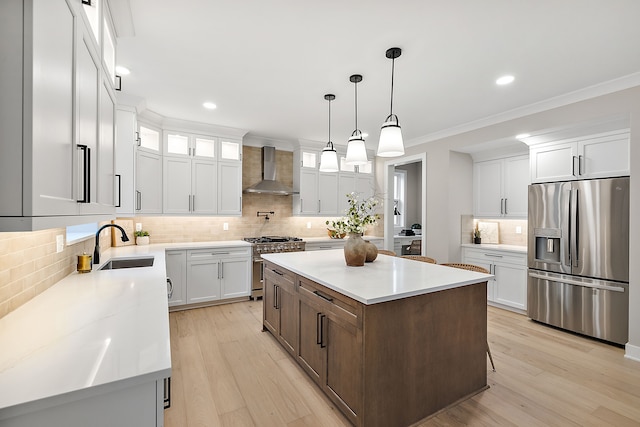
(505,80)
(122,71)
(210,105)
(522,136)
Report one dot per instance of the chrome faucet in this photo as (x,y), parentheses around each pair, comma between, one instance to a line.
(96,251)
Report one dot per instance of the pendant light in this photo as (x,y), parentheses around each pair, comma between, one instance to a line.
(391,144)
(356,150)
(329,157)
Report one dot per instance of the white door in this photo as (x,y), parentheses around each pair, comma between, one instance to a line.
(229,188)
(556,162)
(204,187)
(487,186)
(516,182)
(125,160)
(203,282)
(604,157)
(308,191)
(364,186)
(234,276)
(346,185)
(176,178)
(54,168)
(106,151)
(511,285)
(148,182)
(328,193)
(176,262)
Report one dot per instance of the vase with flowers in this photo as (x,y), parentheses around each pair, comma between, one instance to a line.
(477,236)
(359,215)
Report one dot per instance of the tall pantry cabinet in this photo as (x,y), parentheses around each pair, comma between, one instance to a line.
(56,115)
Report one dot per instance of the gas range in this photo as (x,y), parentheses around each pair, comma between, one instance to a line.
(274,244)
(269,245)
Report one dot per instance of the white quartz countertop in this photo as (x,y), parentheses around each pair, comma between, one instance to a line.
(497,247)
(99,330)
(388,278)
(328,239)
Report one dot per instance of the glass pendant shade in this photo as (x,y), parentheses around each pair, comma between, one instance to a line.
(356,150)
(391,144)
(329,159)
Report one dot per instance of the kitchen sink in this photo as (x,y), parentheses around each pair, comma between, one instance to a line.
(117,263)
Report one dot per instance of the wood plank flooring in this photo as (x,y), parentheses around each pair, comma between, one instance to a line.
(227,372)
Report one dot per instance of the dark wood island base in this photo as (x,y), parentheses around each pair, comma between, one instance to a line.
(385,364)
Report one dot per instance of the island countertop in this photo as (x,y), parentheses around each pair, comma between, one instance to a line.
(386,279)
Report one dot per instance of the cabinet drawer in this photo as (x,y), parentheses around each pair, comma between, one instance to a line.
(343,308)
(279,276)
(210,253)
(495,257)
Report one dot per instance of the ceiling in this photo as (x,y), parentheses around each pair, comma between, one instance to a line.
(268,64)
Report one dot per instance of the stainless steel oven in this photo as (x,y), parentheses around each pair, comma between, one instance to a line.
(269,245)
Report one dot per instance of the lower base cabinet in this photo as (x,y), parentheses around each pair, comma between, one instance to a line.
(371,361)
(201,276)
(509,288)
(139,404)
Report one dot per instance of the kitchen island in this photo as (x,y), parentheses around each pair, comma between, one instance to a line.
(389,343)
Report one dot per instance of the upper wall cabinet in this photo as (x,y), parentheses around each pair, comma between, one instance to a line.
(201,174)
(324,193)
(597,156)
(53,133)
(500,187)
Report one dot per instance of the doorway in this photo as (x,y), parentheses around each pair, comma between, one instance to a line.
(414,168)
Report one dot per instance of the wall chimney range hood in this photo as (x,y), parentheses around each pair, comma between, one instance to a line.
(269,185)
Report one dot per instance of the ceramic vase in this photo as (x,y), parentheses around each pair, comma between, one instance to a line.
(142,240)
(355,250)
(372,251)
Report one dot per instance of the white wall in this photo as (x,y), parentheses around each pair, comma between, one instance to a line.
(443,226)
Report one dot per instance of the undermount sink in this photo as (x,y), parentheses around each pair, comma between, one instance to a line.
(117,263)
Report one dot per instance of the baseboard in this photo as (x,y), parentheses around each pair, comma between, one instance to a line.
(632,352)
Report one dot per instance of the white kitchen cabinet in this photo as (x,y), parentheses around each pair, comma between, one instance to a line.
(500,187)
(105,197)
(327,193)
(509,288)
(597,156)
(176,264)
(202,175)
(324,193)
(182,178)
(208,275)
(125,156)
(229,188)
(49,113)
(148,183)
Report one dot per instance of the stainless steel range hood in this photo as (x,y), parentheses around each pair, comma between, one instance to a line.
(269,185)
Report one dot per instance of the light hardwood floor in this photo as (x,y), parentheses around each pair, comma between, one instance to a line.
(227,372)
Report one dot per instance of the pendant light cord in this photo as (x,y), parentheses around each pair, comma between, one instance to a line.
(356,102)
(393,63)
(330,121)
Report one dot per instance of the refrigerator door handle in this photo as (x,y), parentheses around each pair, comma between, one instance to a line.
(551,278)
(574,228)
(567,239)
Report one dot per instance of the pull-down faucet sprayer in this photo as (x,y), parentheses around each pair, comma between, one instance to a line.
(96,251)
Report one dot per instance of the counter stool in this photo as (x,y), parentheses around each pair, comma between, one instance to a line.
(420,258)
(386,252)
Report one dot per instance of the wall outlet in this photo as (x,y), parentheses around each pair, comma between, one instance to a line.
(59,243)
(308,225)
(138,226)
(518,230)
(225,226)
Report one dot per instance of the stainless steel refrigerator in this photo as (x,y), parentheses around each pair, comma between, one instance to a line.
(578,256)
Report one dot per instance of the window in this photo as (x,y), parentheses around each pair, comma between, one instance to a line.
(399,197)
(78,233)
